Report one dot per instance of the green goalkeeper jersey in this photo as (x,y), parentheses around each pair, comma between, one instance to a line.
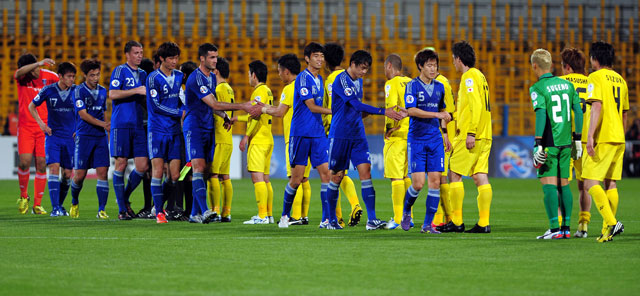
(556,96)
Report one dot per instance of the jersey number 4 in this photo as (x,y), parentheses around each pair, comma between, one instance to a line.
(557,111)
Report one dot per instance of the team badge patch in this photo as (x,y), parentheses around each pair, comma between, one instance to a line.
(153,93)
(410,99)
(79,104)
(282,97)
(348,91)
(115,83)
(468,82)
(534,96)
(204,89)
(387,89)
(304,91)
(258,99)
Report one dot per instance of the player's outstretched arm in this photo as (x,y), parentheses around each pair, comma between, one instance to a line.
(28,68)
(279,111)
(253,110)
(315,108)
(84,115)
(116,94)
(34,113)
(416,112)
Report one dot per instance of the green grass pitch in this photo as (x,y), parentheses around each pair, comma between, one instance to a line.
(61,256)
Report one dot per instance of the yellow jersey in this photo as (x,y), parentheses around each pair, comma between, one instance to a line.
(287,98)
(394,96)
(579,82)
(224,93)
(473,111)
(609,88)
(448,101)
(328,83)
(259,130)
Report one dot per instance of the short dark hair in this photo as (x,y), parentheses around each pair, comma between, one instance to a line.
(223,67)
(146,65)
(312,48)
(333,54)
(603,53)
(168,49)
(89,64)
(156,58)
(260,69)
(65,68)
(26,59)
(131,44)
(187,68)
(361,57)
(290,62)
(424,56)
(395,61)
(204,49)
(465,53)
(574,58)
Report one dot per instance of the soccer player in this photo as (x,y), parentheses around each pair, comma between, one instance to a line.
(308,143)
(395,137)
(472,140)
(553,99)
(223,148)
(573,62)
(260,141)
(164,91)
(30,79)
(91,141)
(58,131)
(347,138)
(333,55)
(609,98)
(128,140)
(424,100)
(200,104)
(288,69)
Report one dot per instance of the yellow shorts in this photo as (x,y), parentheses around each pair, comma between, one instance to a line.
(221,159)
(470,162)
(259,158)
(605,164)
(307,170)
(577,165)
(396,165)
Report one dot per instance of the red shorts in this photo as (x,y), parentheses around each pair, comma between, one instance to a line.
(31,141)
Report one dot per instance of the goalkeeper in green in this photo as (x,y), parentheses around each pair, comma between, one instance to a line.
(553,98)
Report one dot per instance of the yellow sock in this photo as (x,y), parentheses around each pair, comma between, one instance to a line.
(269,199)
(339,208)
(306,198)
(227,197)
(612,195)
(456,193)
(214,194)
(349,190)
(407,183)
(584,217)
(397,199)
(485,195)
(296,207)
(560,218)
(261,198)
(445,201)
(602,203)
(438,217)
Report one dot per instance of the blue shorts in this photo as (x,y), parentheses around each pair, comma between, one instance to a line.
(91,152)
(425,156)
(59,150)
(341,151)
(303,148)
(129,142)
(199,144)
(164,146)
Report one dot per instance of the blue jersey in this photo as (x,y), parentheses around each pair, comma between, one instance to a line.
(127,112)
(62,120)
(199,115)
(95,102)
(346,121)
(163,102)
(305,123)
(426,97)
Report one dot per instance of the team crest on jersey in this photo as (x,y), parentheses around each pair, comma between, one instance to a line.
(410,99)
(468,82)
(304,91)
(590,89)
(204,89)
(282,97)
(115,83)
(387,89)
(153,93)
(534,96)
(79,104)
(348,91)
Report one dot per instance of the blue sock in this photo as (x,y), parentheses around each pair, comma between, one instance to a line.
(54,191)
(199,191)
(289,195)
(332,199)
(64,189)
(134,180)
(102,189)
(369,197)
(156,193)
(433,199)
(325,201)
(118,188)
(75,192)
(410,198)
(195,208)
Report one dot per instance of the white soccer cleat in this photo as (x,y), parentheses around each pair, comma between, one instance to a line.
(551,235)
(271,220)
(284,222)
(256,220)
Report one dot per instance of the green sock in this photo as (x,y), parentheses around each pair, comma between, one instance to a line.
(551,204)
(567,205)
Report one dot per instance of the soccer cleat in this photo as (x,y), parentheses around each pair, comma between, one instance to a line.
(124,216)
(334,226)
(305,220)
(75,211)
(341,222)
(376,224)
(271,220)
(23,205)
(145,214)
(195,219)
(582,230)
(38,210)
(130,211)
(56,213)
(406,221)
(429,228)
(284,222)
(256,220)
(323,224)
(479,229)
(610,232)
(225,219)
(566,234)
(293,221)
(102,215)
(551,235)
(580,234)
(392,224)
(208,216)
(412,223)
(452,227)
(356,214)
(63,211)
(218,218)
(161,218)
(174,215)
(437,227)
